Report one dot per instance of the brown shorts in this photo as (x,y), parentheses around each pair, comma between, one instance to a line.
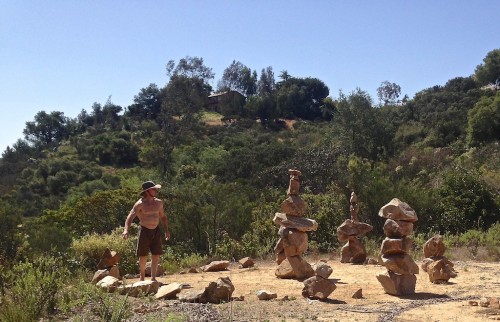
(149,240)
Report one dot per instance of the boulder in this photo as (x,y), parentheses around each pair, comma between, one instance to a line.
(215,266)
(317,287)
(169,291)
(396,246)
(219,291)
(294,242)
(294,206)
(397,228)
(352,228)
(400,264)
(140,288)
(395,284)
(109,283)
(99,275)
(322,269)
(108,259)
(246,262)
(434,247)
(440,271)
(353,251)
(294,267)
(299,223)
(398,210)
(265,295)
(192,296)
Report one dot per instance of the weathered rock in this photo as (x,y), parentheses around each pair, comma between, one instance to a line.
(395,284)
(169,291)
(351,228)
(317,287)
(434,247)
(140,288)
(400,264)
(99,275)
(353,252)
(425,263)
(294,242)
(294,267)
(295,222)
(358,294)
(294,206)
(220,290)
(398,210)
(294,186)
(441,270)
(397,228)
(159,269)
(246,262)
(109,283)
(192,296)
(396,246)
(114,271)
(322,269)
(108,259)
(265,295)
(216,266)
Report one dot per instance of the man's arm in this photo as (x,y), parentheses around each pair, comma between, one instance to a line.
(130,218)
(164,221)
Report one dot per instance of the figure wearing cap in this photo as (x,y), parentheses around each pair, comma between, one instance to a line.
(149,211)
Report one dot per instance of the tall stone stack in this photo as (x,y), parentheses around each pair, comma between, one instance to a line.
(400,277)
(439,268)
(352,231)
(293,233)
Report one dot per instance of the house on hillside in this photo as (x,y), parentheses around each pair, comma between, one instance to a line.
(227,103)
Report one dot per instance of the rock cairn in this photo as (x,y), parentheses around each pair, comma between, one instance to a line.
(400,277)
(352,231)
(293,237)
(439,268)
(319,287)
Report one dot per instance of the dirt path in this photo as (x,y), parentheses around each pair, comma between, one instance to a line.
(431,302)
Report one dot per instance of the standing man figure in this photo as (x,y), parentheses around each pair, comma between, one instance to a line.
(149,210)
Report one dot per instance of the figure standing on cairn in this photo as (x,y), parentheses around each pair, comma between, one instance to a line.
(352,231)
(292,232)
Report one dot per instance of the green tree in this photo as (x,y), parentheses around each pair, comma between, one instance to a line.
(484,121)
(238,77)
(147,104)
(388,92)
(10,236)
(489,71)
(46,129)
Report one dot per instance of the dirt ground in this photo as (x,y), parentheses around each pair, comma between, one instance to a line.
(431,302)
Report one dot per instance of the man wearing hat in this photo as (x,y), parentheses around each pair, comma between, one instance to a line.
(149,210)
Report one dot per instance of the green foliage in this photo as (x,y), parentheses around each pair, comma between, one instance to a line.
(87,250)
(10,234)
(492,241)
(489,70)
(484,121)
(465,202)
(31,289)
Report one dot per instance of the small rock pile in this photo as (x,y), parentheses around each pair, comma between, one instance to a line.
(439,268)
(292,232)
(319,287)
(400,277)
(352,231)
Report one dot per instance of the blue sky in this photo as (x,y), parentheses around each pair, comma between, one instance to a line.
(64,55)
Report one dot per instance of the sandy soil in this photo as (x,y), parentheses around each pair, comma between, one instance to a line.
(431,302)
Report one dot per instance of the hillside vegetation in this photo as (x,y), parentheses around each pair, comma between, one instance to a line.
(223,166)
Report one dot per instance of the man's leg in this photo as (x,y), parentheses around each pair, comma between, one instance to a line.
(155,260)
(142,266)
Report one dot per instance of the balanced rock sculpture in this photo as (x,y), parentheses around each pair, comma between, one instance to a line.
(439,268)
(400,277)
(293,233)
(352,231)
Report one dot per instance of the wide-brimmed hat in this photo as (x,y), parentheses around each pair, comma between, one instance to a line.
(149,185)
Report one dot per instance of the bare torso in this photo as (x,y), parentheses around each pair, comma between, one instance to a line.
(149,212)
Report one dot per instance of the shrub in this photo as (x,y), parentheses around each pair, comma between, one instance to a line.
(31,289)
(492,241)
(87,250)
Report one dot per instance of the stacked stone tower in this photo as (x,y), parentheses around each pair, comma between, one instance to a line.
(293,237)
(400,277)
(352,231)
